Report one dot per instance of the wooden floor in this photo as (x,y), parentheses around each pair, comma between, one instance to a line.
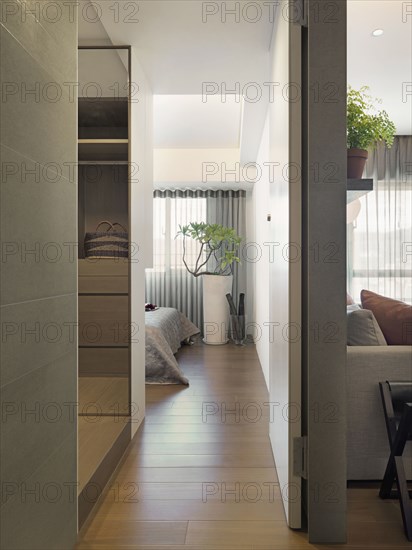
(197,476)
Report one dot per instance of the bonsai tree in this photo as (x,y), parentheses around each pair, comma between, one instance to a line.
(366,125)
(216,242)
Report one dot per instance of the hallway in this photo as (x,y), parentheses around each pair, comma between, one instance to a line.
(200,473)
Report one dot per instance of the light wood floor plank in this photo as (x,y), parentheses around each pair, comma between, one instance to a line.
(196,491)
(244,534)
(181,510)
(118,534)
(241,460)
(131,471)
(224,447)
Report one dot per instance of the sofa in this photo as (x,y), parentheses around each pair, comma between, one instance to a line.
(367,441)
(379,338)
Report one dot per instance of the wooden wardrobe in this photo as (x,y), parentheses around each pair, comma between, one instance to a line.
(110,287)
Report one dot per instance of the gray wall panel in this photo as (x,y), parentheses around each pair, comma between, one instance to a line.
(325,271)
(38,413)
(38,369)
(37,229)
(44,518)
(36,333)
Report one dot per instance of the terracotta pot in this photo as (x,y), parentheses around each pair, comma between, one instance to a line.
(356,162)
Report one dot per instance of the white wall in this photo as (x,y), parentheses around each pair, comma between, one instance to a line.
(260,276)
(277,288)
(194,168)
(103,73)
(141,234)
(250,266)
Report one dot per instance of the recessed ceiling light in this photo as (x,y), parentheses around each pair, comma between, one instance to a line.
(377,32)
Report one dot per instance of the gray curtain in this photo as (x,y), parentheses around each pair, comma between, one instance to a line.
(169,284)
(379,243)
(228,208)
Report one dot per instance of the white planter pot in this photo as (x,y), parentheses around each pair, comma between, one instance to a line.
(216,308)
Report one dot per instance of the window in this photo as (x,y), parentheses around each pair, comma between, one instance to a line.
(380,243)
(169,213)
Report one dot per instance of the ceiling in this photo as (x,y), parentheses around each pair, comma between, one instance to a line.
(383,63)
(181,47)
(184,121)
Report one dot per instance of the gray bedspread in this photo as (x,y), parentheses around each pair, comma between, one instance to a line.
(166,329)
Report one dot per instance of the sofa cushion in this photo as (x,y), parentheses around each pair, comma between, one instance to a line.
(367,441)
(349,300)
(363,329)
(394,317)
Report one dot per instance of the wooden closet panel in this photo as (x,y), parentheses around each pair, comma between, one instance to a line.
(104,267)
(104,321)
(103,285)
(103,362)
(103,276)
(81,215)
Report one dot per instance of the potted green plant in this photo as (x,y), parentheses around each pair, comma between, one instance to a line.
(366,126)
(218,252)
(216,241)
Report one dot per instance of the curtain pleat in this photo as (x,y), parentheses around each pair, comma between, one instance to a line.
(169,284)
(382,234)
(228,208)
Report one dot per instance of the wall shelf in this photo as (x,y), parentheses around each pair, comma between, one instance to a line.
(356,188)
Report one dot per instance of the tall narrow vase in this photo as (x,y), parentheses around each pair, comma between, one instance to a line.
(216,308)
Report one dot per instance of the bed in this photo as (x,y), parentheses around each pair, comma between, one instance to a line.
(166,329)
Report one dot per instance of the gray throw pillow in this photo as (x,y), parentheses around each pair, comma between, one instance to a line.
(363,329)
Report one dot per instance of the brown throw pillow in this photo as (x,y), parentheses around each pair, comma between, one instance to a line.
(394,317)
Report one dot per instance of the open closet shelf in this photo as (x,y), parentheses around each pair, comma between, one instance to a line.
(103,150)
(357,188)
(103,130)
(104,112)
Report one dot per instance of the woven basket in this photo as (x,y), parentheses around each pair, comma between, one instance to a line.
(107,244)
